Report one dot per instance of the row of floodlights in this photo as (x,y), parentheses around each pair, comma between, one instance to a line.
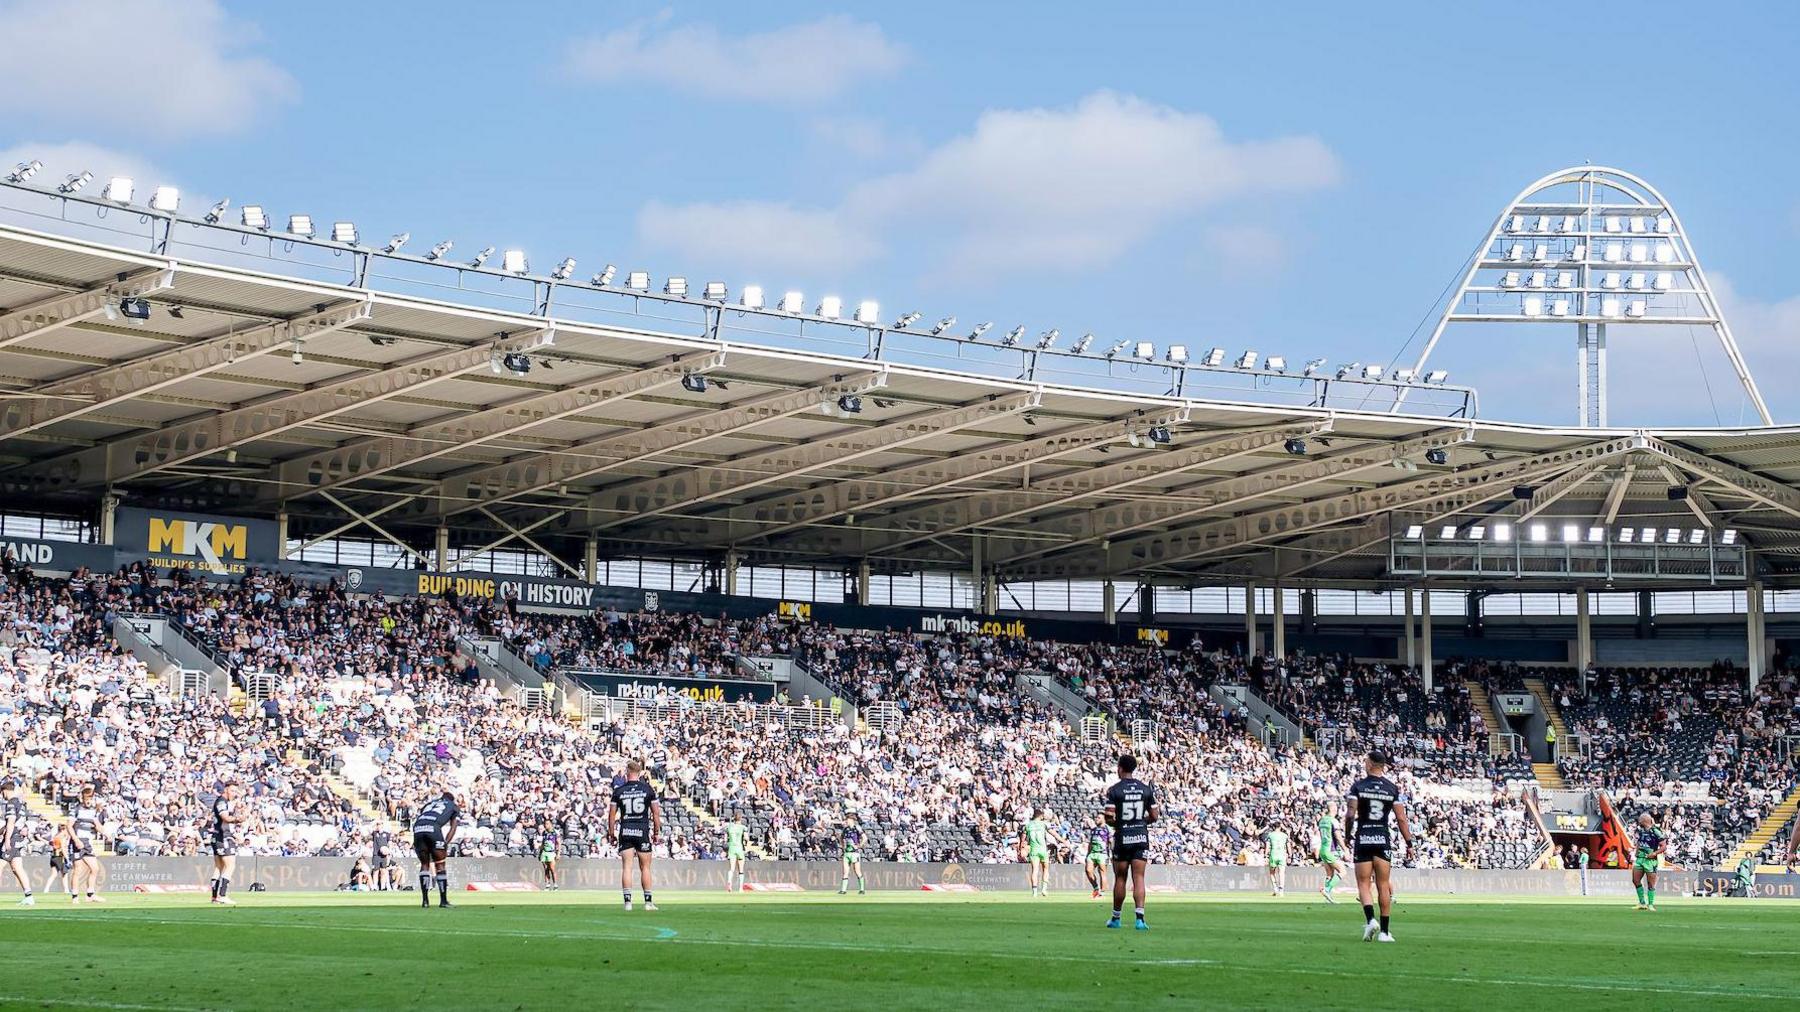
(1573,534)
(167,199)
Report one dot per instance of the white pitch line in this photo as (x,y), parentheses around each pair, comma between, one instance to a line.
(19,999)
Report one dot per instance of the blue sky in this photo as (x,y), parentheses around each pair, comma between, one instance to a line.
(1298,178)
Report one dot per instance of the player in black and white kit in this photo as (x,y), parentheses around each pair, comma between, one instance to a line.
(227,814)
(1130,809)
(633,823)
(384,866)
(433,829)
(84,854)
(1372,802)
(12,837)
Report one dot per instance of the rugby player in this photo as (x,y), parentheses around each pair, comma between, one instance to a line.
(734,853)
(384,869)
(852,861)
(1328,849)
(432,830)
(84,858)
(1036,841)
(1095,865)
(1373,801)
(1130,809)
(61,863)
(547,846)
(12,837)
(633,824)
(226,815)
(1652,843)
(1277,842)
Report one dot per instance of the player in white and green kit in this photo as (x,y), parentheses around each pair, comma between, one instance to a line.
(1328,858)
(1277,842)
(1099,838)
(1647,858)
(734,854)
(1036,842)
(852,860)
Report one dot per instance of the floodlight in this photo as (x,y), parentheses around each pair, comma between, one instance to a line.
(868,311)
(516,363)
(76,181)
(1214,357)
(118,190)
(1372,372)
(482,257)
(1276,363)
(300,225)
(513,261)
(253,216)
(564,270)
(344,232)
(1048,338)
(1596,534)
(217,214)
(944,324)
(1571,533)
(1647,535)
(166,199)
(1144,350)
(676,287)
(693,383)
(830,307)
(1011,338)
(134,309)
(605,277)
(1116,350)
(1437,376)
(793,302)
(1697,536)
(1081,344)
(752,298)
(1247,360)
(850,404)
(440,251)
(1729,537)
(23,171)
(1672,536)
(908,320)
(1403,375)
(1503,532)
(1344,371)
(1436,455)
(1295,446)
(714,291)
(1477,532)
(397,240)
(1626,534)
(1446,532)
(1540,532)
(638,281)
(1176,354)
(1415,531)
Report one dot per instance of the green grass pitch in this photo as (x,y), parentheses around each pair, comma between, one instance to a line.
(565,951)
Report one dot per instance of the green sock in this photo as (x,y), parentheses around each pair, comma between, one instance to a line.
(1331,883)
(1640,892)
(1652,897)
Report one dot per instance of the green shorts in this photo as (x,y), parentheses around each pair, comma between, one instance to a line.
(1327,856)
(1278,862)
(735,853)
(1037,854)
(1650,864)
(1097,856)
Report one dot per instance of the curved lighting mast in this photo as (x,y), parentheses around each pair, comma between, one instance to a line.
(1595,248)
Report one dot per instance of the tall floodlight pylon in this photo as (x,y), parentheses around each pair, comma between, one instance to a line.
(1593,248)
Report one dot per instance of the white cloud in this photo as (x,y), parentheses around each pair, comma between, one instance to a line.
(802,63)
(1244,252)
(152,67)
(1062,189)
(756,235)
(863,137)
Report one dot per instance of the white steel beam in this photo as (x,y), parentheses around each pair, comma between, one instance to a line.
(55,312)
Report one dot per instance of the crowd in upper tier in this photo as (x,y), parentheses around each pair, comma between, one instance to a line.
(347,709)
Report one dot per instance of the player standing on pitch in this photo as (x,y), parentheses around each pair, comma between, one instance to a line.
(1130,809)
(1095,865)
(84,856)
(225,817)
(1373,800)
(852,861)
(1652,842)
(1328,851)
(633,824)
(12,837)
(1277,842)
(1036,842)
(432,831)
(734,853)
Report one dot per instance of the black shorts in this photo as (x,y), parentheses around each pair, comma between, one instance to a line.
(11,851)
(1366,852)
(634,840)
(429,845)
(59,863)
(80,849)
(1127,852)
(382,863)
(224,848)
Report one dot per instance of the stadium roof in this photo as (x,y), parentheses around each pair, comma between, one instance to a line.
(252,393)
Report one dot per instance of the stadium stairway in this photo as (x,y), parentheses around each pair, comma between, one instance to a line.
(1478,697)
(1548,776)
(1765,832)
(345,789)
